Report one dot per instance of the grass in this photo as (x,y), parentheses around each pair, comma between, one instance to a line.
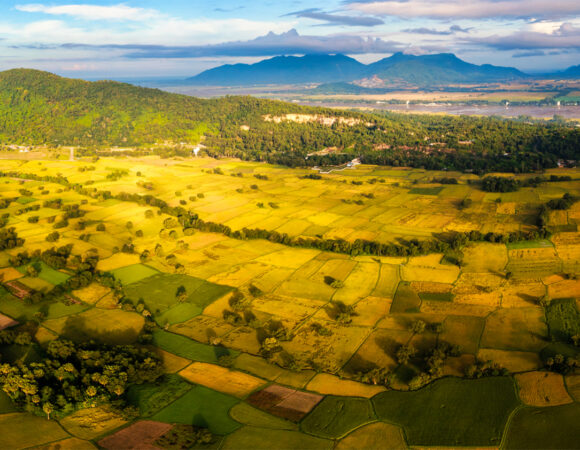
(563,319)
(201,407)
(47,273)
(543,243)
(555,427)
(427,190)
(334,417)
(178,314)
(186,348)
(406,299)
(133,273)
(6,404)
(437,296)
(108,326)
(451,411)
(22,430)
(159,294)
(25,200)
(263,438)
(150,398)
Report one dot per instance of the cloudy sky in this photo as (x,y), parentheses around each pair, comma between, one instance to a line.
(109,39)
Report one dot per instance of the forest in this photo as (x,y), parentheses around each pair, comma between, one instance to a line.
(38,108)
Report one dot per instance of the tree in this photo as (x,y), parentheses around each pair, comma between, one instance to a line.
(181,294)
(405,353)
(48,409)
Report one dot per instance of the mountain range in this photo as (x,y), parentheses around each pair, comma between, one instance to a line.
(424,70)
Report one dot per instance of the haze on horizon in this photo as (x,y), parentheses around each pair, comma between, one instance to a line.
(110,39)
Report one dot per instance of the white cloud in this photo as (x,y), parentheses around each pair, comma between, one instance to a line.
(92,12)
(470,9)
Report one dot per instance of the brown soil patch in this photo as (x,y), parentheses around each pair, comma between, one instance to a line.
(542,389)
(141,435)
(284,402)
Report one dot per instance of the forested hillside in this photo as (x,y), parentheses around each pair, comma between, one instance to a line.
(41,108)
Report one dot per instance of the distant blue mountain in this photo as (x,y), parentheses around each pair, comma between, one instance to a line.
(443,68)
(284,70)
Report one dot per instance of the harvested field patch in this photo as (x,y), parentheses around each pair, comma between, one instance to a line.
(202,328)
(7,322)
(140,435)
(483,257)
(387,282)
(373,436)
(9,274)
(327,384)
(463,331)
(542,389)
(284,402)
(92,293)
(92,422)
(439,274)
(359,284)
(522,329)
(514,361)
(564,289)
(370,310)
(334,417)
(221,379)
(117,261)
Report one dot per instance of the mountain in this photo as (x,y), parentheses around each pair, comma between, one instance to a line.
(442,68)
(284,70)
(422,70)
(572,72)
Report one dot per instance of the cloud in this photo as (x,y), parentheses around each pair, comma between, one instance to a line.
(458,29)
(468,9)
(428,31)
(335,19)
(529,54)
(288,43)
(452,30)
(566,36)
(92,12)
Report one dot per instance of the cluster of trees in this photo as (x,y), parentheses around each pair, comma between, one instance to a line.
(563,203)
(71,376)
(40,108)
(9,239)
(505,184)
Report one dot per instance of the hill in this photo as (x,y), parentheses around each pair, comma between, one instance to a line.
(42,108)
(423,70)
(284,70)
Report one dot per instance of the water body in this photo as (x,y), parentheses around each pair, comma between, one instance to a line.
(541,112)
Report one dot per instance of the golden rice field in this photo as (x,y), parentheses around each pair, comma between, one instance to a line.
(490,306)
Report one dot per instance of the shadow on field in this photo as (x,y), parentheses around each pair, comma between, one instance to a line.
(79,329)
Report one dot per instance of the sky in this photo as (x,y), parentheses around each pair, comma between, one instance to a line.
(180,38)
